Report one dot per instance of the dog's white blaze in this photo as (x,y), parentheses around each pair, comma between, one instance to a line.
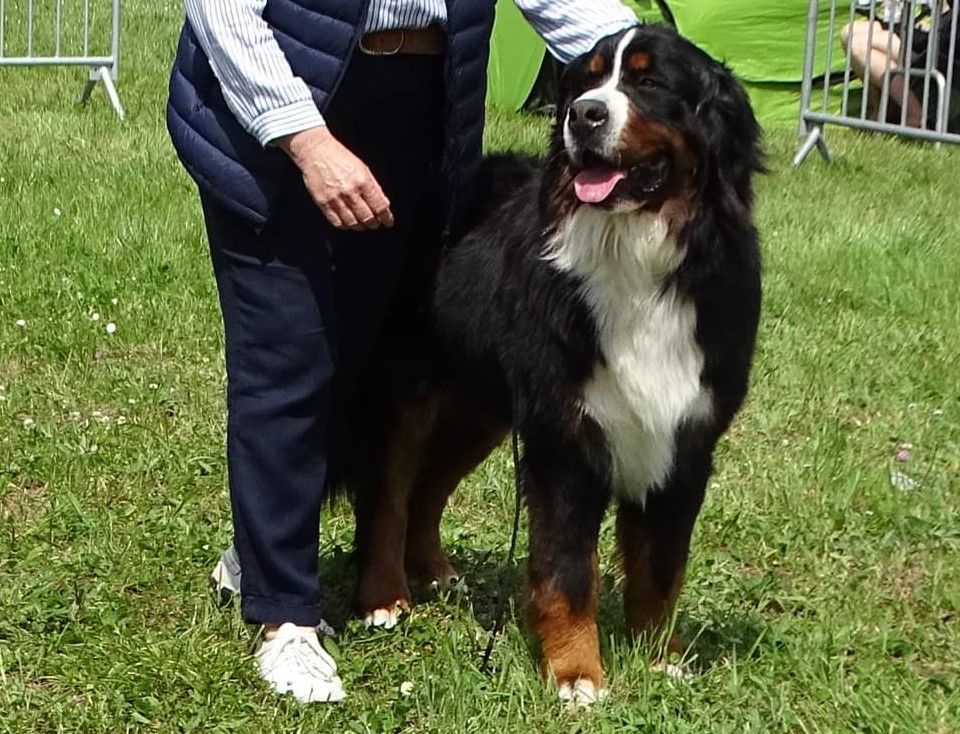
(650,384)
(618,104)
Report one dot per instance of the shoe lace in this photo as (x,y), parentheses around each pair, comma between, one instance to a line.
(301,653)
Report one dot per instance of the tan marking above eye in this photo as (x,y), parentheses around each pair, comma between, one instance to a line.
(597,64)
(639,61)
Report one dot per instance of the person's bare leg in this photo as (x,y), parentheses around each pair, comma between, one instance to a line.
(873,55)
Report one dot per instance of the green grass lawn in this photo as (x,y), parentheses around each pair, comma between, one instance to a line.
(820,597)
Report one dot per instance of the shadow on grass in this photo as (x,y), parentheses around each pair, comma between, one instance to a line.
(486,577)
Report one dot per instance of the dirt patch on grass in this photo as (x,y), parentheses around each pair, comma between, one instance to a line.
(24,503)
(905,582)
(12,369)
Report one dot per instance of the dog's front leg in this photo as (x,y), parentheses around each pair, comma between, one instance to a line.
(654,543)
(566,504)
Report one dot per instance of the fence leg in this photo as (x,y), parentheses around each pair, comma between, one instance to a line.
(814,139)
(104,76)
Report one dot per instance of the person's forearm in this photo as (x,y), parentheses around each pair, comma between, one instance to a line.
(257,81)
(573,27)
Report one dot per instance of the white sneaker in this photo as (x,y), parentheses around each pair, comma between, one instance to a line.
(293,661)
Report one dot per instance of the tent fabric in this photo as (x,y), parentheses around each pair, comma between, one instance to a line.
(516,56)
(762,42)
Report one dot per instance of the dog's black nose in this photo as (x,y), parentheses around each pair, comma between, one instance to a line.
(587,115)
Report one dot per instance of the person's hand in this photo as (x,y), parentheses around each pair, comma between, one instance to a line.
(339,182)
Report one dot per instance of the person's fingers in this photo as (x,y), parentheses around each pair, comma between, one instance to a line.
(328,210)
(377,201)
(385,217)
(365,217)
(348,219)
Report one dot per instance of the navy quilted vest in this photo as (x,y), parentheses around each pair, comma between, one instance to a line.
(318,37)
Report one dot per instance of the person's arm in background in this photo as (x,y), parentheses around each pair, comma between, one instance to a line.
(573,27)
(276,107)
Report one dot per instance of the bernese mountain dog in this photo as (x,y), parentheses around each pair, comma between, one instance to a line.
(604,305)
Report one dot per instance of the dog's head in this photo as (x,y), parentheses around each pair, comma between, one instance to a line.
(646,119)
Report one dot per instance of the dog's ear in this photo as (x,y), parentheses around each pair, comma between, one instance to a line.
(732,131)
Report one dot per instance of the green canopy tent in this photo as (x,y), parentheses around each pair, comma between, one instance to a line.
(762,42)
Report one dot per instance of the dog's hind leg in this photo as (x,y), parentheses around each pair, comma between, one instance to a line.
(381,516)
(464,435)
(654,544)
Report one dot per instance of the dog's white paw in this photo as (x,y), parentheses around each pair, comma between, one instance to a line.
(581,692)
(384,618)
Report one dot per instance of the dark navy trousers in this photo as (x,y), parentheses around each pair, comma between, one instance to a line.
(303,308)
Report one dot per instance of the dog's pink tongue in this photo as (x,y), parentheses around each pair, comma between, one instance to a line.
(595,185)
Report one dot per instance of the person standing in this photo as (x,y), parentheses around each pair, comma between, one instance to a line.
(332,142)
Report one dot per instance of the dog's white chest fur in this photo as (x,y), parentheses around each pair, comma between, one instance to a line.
(650,383)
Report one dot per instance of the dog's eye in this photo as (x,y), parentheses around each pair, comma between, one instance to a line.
(647,82)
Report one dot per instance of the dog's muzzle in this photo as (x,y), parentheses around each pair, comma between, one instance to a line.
(587,119)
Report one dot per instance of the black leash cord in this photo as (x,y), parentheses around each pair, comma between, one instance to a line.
(501,613)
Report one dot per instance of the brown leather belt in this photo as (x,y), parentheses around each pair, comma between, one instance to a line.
(431,41)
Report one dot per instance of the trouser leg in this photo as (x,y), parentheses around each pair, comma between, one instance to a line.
(276,299)
(302,307)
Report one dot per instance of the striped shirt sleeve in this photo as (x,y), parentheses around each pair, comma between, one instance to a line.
(258,84)
(573,27)
(270,101)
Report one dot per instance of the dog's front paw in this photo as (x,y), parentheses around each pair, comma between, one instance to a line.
(386,617)
(581,692)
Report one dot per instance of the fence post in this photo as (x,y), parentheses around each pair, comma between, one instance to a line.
(813,133)
(107,74)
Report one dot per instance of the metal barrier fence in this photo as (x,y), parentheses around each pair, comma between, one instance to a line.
(83,33)
(889,69)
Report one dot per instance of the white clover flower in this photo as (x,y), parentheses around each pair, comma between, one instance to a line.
(406,688)
(110,328)
(94,316)
(153,386)
(56,211)
(20,322)
(28,422)
(113,301)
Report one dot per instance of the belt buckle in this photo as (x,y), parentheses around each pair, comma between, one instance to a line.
(390,52)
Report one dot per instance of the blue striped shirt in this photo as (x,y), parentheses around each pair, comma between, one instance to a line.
(270,101)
